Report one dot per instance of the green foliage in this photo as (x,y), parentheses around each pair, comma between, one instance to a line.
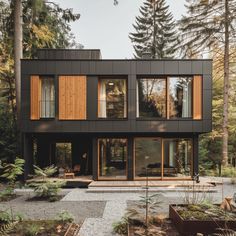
(45,188)
(121,227)
(5,217)
(32,230)
(46,172)
(13,170)
(65,216)
(154,31)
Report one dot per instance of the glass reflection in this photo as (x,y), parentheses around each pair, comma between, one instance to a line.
(147,155)
(112,158)
(112,98)
(180,97)
(151,97)
(177,157)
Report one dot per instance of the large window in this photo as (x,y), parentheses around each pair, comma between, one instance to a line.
(180,97)
(147,157)
(112,98)
(112,158)
(47,103)
(164,97)
(177,157)
(151,97)
(163,158)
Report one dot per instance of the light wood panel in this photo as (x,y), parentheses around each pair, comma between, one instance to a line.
(35,97)
(72,97)
(197,97)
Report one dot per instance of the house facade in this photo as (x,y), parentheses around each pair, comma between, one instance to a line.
(114,119)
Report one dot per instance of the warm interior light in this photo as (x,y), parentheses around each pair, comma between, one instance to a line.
(111,83)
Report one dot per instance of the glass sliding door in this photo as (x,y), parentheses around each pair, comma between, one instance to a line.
(112,158)
(177,157)
(148,157)
(163,158)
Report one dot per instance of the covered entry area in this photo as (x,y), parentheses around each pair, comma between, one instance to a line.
(70,153)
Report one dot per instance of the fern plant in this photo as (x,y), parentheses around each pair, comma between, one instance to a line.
(12,170)
(7,228)
(45,188)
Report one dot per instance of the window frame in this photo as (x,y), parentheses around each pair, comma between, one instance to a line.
(44,77)
(162,177)
(100,177)
(98,91)
(167,78)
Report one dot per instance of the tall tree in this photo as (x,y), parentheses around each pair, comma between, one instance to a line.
(154,31)
(45,24)
(209,23)
(18,51)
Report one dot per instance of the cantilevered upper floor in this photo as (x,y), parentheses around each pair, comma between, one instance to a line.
(77,91)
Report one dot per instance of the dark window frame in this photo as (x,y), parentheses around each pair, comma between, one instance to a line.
(167,77)
(112,77)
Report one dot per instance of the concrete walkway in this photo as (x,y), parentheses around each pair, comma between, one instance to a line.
(114,210)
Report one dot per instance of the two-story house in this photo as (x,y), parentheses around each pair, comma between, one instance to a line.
(114,119)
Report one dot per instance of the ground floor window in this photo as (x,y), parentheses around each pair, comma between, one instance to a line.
(112,158)
(148,157)
(177,157)
(156,157)
(63,158)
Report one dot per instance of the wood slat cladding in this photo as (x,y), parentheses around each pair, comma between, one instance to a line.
(197,97)
(72,97)
(35,97)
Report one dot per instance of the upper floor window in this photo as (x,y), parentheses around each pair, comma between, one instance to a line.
(112,98)
(169,97)
(151,97)
(180,97)
(47,102)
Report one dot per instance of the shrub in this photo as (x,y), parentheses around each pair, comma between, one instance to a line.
(46,188)
(228,172)
(65,216)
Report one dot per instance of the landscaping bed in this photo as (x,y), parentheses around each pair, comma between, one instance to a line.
(41,228)
(190,219)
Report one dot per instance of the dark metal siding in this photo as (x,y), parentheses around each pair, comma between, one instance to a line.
(130,69)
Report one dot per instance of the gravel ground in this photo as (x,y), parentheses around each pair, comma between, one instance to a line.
(49,210)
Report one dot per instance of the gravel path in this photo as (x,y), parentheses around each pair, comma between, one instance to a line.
(49,210)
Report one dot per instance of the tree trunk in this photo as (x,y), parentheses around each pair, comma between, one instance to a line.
(17,53)
(225,133)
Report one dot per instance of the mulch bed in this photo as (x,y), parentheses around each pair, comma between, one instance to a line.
(166,228)
(44,228)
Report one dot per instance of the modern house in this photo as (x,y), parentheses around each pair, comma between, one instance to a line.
(114,119)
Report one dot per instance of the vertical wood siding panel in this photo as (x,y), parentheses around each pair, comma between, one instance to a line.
(73,105)
(197,97)
(35,97)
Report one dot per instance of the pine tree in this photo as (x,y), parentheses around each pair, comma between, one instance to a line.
(154,31)
(209,23)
